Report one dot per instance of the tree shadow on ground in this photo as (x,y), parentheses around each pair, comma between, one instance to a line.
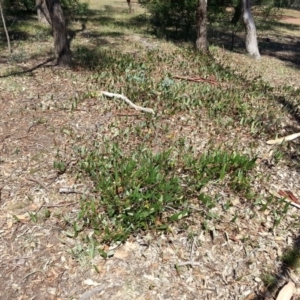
(25,71)
(98,17)
(290,107)
(16,34)
(287,49)
(18,24)
(93,58)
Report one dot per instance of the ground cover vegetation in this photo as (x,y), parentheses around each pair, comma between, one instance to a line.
(200,163)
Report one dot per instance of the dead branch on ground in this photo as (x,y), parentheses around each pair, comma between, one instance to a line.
(196,79)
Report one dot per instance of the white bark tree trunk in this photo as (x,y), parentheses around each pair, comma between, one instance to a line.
(251,38)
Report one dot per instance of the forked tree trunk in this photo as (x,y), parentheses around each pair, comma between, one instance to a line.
(42,12)
(201,42)
(251,38)
(61,45)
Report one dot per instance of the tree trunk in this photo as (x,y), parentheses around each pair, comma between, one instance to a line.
(201,42)
(251,38)
(43,12)
(5,28)
(129,6)
(61,44)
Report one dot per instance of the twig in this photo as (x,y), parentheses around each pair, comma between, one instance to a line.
(127,115)
(285,198)
(69,190)
(196,79)
(292,203)
(39,182)
(191,263)
(120,96)
(192,248)
(5,137)
(31,273)
(58,205)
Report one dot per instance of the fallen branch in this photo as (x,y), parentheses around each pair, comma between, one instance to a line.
(120,96)
(284,139)
(196,79)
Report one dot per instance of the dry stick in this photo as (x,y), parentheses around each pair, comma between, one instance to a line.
(274,193)
(284,139)
(39,182)
(58,205)
(5,28)
(187,263)
(120,96)
(291,202)
(196,79)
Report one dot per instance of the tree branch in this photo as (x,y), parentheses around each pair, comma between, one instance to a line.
(120,96)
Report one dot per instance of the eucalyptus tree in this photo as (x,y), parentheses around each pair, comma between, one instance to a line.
(201,41)
(251,37)
(167,14)
(5,28)
(42,12)
(59,28)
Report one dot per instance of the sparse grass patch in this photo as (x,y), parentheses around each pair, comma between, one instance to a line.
(217,165)
(270,281)
(138,191)
(135,191)
(291,258)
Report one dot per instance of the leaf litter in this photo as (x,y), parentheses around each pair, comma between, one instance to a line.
(38,259)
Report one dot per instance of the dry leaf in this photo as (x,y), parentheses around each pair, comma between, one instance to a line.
(287,291)
(120,254)
(284,139)
(23,217)
(251,296)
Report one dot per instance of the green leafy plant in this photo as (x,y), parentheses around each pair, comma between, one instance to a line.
(135,191)
(218,165)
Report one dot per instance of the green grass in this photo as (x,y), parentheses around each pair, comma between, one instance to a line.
(136,190)
(291,258)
